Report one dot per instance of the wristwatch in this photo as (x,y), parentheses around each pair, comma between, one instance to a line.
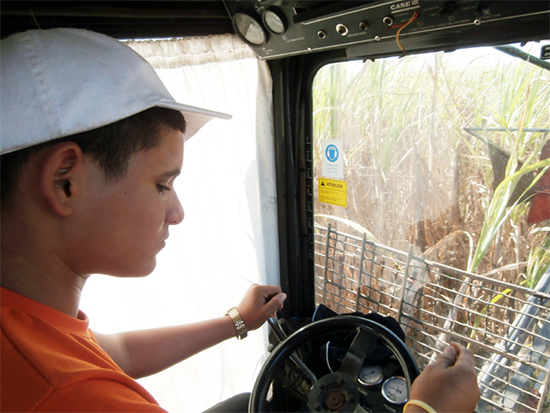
(238,321)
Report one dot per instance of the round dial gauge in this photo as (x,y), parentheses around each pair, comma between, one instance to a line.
(273,22)
(249,29)
(395,390)
(371,375)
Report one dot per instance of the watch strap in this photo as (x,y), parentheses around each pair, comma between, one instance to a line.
(238,321)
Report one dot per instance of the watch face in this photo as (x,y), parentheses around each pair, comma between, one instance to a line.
(249,29)
(273,22)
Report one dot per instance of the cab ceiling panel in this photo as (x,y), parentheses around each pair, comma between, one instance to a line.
(275,28)
(119,19)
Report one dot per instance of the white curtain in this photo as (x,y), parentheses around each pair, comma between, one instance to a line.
(228,239)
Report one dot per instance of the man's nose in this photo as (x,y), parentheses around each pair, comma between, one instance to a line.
(175,213)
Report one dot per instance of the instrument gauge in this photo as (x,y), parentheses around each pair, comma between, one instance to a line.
(273,22)
(249,29)
(371,375)
(395,390)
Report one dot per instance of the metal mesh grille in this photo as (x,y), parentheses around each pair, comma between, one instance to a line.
(507,327)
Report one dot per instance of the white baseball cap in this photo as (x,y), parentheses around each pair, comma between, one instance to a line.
(58,82)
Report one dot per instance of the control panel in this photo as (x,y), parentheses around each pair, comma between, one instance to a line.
(277,28)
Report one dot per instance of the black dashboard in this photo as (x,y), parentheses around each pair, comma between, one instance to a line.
(282,28)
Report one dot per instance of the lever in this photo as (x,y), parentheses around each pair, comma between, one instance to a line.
(281,336)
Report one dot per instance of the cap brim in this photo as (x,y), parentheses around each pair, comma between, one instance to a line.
(195,117)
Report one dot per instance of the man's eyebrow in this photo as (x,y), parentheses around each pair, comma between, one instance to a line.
(172,173)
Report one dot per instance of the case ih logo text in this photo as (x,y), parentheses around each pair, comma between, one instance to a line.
(404,5)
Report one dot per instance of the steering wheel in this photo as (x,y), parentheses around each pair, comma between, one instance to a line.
(346,389)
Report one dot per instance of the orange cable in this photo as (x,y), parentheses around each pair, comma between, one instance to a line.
(413,18)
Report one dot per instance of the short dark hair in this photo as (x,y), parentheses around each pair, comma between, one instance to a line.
(110,146)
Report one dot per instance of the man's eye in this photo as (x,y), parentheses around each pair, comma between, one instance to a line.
(162,188)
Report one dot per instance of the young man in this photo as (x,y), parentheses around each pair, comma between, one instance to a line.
(91,145)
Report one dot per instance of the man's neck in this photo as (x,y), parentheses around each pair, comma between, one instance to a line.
(48,284)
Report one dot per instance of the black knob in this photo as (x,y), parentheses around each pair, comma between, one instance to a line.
(482,6)
(447,8)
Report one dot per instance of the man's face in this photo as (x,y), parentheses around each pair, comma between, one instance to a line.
(126,222)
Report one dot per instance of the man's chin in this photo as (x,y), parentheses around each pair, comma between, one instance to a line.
(136,272)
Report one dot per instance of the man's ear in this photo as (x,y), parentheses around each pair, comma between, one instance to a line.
(59,176)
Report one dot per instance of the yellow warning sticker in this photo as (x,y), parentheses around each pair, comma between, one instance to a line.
(333,192)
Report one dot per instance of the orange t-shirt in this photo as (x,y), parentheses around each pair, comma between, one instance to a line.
(51,362)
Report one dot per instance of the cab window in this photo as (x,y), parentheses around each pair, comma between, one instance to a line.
(427,172)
